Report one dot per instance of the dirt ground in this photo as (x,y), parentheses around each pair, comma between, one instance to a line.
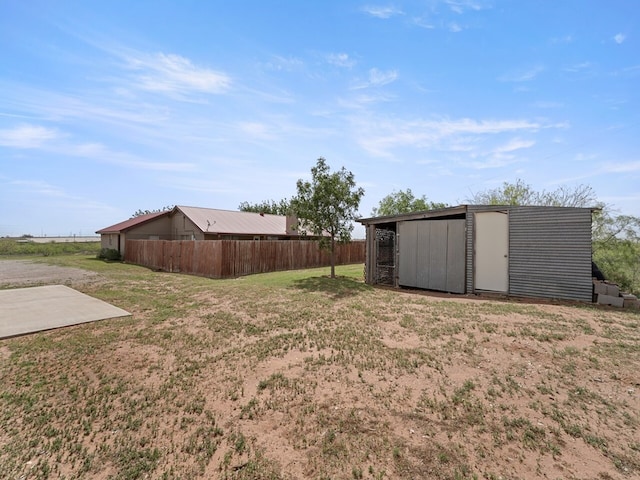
(24,273)
(431,386)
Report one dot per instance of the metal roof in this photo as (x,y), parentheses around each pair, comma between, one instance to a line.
(211,220)
(132,222)
(439,212)
(460,209)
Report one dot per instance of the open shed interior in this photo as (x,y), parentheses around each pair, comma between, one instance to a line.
(385,263)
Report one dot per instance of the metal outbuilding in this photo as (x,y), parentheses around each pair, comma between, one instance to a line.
(529,251)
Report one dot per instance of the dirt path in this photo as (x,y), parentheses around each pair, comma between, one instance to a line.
(21,273)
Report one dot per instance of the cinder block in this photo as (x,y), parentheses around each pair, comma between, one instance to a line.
(610,300)
(613,290)
(600,288)
(631,303)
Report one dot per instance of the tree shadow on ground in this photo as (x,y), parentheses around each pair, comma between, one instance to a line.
(336,288)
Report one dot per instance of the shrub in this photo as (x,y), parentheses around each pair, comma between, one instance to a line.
(109,254)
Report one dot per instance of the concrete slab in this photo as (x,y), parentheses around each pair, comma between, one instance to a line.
(28,310)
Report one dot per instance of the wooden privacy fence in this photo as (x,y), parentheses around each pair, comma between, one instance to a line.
(234,258)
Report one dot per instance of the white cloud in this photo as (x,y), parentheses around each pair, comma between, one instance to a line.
(513,145)
(170,73)
(26,136)
(454,27)
(378,137)
(39,187)
(562,40)
(495,161)
(622,167)
(522,75)
(48,140)
(287,64)
(499,156)
(379,78)
(619,38)
(100,152)
(578,67)
(583,157)
(467,125)
(548,104)
(340,60)
(382,11)
(423,23)
(362,100)
(460,6)
(255,130)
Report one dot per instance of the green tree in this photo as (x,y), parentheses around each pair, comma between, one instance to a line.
(404,201)
(283,207)
(140,212)
(616,248)
(327,204)
(521,193)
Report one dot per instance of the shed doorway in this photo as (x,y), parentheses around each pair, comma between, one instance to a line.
(385,271)
(492,251)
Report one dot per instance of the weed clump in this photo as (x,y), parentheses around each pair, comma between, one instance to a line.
(109,254)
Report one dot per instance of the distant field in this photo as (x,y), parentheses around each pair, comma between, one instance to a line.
(71,239)
(293,375)
(53,246)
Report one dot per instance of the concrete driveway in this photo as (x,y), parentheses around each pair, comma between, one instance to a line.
(28,310)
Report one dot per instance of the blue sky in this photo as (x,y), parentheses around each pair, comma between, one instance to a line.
(107,107)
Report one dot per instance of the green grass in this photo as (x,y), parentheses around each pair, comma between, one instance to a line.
(14,248)
(296,375)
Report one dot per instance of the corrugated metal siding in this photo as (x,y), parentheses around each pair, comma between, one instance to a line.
(550,252)
(469,256)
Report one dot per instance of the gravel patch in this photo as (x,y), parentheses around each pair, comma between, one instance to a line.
(20,273)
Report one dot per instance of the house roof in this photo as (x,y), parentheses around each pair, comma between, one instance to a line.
(211,220)
(132,222)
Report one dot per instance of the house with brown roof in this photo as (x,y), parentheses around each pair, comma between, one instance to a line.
(195,223)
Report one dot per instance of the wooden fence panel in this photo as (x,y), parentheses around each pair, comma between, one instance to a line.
(235,258)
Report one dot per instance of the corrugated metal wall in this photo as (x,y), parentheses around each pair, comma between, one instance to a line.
(550,252)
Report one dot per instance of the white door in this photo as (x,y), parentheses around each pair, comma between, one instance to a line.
(492,251)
